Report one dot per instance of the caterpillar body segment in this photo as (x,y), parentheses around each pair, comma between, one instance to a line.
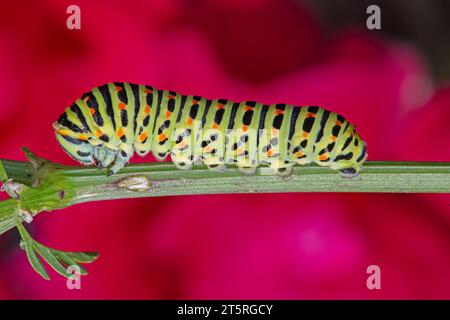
(107,125)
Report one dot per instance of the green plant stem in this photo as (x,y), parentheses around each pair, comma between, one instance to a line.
(50,186)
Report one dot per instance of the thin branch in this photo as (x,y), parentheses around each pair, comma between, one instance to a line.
(40,185)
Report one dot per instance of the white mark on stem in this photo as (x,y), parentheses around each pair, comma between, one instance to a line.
(136,183)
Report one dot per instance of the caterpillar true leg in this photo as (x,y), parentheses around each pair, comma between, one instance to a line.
(110,156)
(100,157)
(122,158)
(118,164)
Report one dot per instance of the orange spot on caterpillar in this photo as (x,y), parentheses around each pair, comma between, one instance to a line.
(98,133)
(170,96)
(333,138)
(247,108)
(310,115)
(323,157)
(147,109)
(220,106)
(277,112)
(208,149)
(338,123)
(87,98)
(122,106)
(148,91)
(245,128)
(269,153)
(92,110)
(215,126)
(305,134)
(299,154)
(189,121)
(63,132)
(195,101)
(162,137)
(83,137)
(168,114)
(119,89)
(143,136)
(120,133)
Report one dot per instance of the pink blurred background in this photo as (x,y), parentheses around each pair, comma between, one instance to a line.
(280,246)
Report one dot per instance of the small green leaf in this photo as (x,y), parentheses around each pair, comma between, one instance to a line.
(58,260)
(68,261)
(3,174)
(22,231)
(27,243)
(84,257)
(35,262)
(50,258)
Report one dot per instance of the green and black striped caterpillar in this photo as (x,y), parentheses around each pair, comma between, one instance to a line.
(108,124)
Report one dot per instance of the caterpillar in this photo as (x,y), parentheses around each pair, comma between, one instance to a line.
(110,123)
